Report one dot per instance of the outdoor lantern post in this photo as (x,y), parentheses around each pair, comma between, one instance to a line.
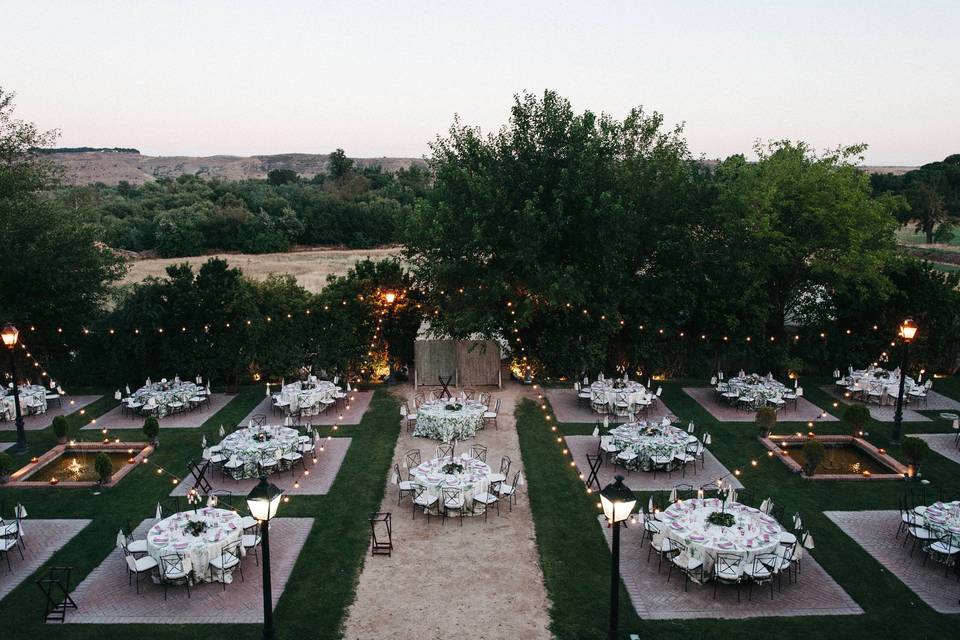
(908,331)
(10,338)
(263,502)
(617,501)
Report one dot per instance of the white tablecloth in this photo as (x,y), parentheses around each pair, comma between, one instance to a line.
(250,444)
(435,420)
(943,515)
(606,391)
(473,480)
(647,439)
(156,396)
(879,380)
(33,399)
(754,389)
(306,396)
(753,534)
(168,537)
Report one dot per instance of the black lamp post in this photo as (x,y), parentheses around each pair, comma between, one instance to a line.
(908,331)
(263,502)
(617,502)
(10,338)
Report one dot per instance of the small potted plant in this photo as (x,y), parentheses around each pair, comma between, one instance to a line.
(857,416)
(104,468)
(6,466)
(151,429)
(813,453)
(60,429)
(766,420)
(915,450)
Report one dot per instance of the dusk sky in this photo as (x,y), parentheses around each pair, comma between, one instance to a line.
(384,78)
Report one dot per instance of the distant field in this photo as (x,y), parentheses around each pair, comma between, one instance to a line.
(310,267)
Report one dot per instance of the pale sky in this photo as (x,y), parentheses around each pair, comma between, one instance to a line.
(384,78)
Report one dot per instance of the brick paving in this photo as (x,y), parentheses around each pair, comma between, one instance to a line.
(814,594)
(104,597)
(805,410)
(68,404)
(186,420)
(882,414)
(942,443)
(568,411)
(317,483)
(875,531)
(353,415)
(580,446)
(43,538)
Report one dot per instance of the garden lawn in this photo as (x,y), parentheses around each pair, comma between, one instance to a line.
(321,587)
(576,559)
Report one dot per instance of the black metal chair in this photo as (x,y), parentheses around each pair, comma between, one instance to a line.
(452,498)
(172,572)
(229,560)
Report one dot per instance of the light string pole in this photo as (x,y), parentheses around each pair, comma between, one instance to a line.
(10,335)
(908,331)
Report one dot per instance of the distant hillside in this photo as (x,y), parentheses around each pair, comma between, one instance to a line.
(110,167)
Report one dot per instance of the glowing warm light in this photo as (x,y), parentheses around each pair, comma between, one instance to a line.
(908,330)
(390,297)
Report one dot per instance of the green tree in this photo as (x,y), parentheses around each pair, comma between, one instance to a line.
(928,210)
(339,165)
(56,276)
(278,177)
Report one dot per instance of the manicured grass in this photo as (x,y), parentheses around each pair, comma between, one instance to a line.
(314,602)
(575,558)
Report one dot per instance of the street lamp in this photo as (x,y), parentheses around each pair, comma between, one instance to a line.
(617,501)
(11,336)
(390,297)
(263,502)
(908,331)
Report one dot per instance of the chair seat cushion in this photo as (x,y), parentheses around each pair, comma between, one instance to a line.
(251,540)
(489,414)
(173,574)
(137,546)
(496,477)
(406,485)
(485,498)
(144,564)
(506,489)
(425,501)
(222,563)
(452,503)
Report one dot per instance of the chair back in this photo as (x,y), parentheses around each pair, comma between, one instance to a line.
(396,471)
(445,450)
(259,420)
(478,452)
(412,458)
(171,564)
(728,564)
(230,554)
(504,466)
(454,495)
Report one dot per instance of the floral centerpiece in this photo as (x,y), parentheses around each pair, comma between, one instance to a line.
(452,468)
(619,384)
(721,519)
(881,374)
(651,431)
(453,406)
(196,527)
(262,436)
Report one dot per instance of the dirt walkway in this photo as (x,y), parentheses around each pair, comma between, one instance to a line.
(478,581)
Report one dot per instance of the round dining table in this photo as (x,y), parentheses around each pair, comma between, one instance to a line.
(170,537)
(607,390)
(648,439)
(249,445)
(448,420)
(753,532)
(305,396)
(474,479)
(943,516)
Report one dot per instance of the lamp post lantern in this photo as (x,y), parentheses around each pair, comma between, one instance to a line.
(11,337)
(908,331)
(617,501)
(263,501)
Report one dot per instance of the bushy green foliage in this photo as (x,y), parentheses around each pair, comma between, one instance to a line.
(219,324)
(60,427)
(151,427)
(813,453)
(103,466)
(188,215)
(856,415)
(915,450)
(766,420)
(6,464)
(933,194)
